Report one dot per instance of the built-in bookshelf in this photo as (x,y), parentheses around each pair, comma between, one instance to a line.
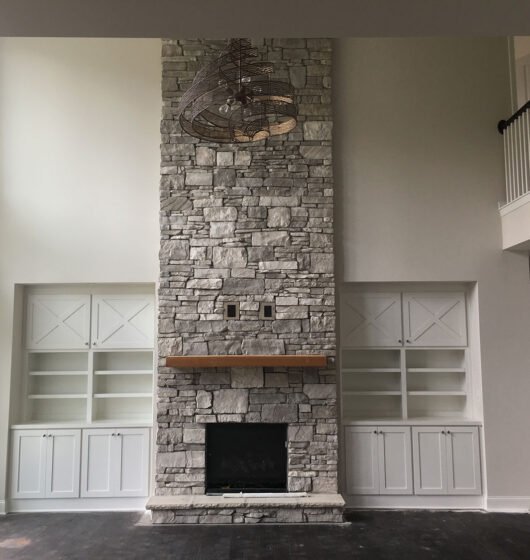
(89,386)
(404,383)
(88,357)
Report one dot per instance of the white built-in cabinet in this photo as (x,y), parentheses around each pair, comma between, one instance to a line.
(58,321)
(407,401)
(82,428)
(45,463)
(446,460)
(379,319)
(115,462)
(379,459)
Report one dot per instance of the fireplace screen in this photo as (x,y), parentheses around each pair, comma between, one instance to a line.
(246,458)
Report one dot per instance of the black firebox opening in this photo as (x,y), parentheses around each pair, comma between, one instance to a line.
(246,458)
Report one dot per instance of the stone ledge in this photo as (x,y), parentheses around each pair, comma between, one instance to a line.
(239,501)
(188,510)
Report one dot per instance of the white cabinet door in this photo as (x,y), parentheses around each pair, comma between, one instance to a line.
(58,322)
(371,319)
(395,456)
(115,462)
(63,456)
(463,460)
(132,462)
(430,460)
(96,464)
(362,463)
(123,321)
(435,319)
(28,464)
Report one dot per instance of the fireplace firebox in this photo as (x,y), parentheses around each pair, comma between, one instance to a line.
(246,458)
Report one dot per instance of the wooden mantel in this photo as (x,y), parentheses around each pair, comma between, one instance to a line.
(293,360)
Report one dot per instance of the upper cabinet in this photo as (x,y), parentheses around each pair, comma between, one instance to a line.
(435,319)
(82,321)
(413,319)
(58,322)
(371,319)
(123,321)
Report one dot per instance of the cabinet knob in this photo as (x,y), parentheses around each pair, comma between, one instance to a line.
(113,434)
(118,434)
(443,432)
(86,343)
(448,431)
(408,340)
(94,344)
(400,341)
(375,431)
(43,435)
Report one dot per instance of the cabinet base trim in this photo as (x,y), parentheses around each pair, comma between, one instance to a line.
(509,504)
(76,504)
(415,502)
(2,507)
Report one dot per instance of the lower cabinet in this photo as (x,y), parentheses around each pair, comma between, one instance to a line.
(436,460)
(446,460)
(115,462)
(45,463)
(79,463)
(378,460)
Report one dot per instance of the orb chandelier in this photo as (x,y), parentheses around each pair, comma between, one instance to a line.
(234,99)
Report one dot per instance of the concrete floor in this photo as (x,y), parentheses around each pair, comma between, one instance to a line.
(374,535)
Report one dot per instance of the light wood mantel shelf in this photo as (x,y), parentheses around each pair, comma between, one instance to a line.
(306,360)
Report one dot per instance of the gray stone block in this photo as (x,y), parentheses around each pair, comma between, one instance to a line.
(279,413)
(321,391)
(230,401)
(246,378)
(224,177)
(230,257)
(242,286)
(270,238)
(279,217)
(259,346)
(204,398)
(220,214)
(204,156)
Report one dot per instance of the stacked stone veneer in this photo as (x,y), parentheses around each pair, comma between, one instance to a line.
(248,223)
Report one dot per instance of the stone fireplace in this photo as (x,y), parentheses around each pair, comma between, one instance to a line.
(248,224)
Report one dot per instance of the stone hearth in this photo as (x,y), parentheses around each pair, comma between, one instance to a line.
(248,224)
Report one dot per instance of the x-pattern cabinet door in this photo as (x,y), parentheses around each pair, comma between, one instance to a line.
(123,321)
(435,319)
(371,319)
(57,322)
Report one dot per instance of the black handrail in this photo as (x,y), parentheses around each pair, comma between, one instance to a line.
(503,125)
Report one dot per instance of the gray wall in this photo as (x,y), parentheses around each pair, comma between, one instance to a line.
(419,171)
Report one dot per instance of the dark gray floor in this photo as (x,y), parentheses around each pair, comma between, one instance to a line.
(374,535)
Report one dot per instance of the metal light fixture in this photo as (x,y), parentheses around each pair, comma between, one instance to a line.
(234,99)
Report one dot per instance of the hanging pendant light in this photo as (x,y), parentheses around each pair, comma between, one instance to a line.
(234,99)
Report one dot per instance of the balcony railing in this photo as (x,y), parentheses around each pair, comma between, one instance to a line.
(516,132)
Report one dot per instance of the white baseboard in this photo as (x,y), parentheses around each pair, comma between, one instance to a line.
(509,504)
(415,502)
(76,504)
(2,507)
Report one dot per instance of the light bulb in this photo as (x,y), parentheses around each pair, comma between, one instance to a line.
(224,108)
(245,79)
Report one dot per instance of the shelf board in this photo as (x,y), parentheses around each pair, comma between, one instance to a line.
(58,396)
(436,393)
(372,393)
(49,373)
(124,372)
(371,370)
(436,370)
(293,360)
(122,395)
